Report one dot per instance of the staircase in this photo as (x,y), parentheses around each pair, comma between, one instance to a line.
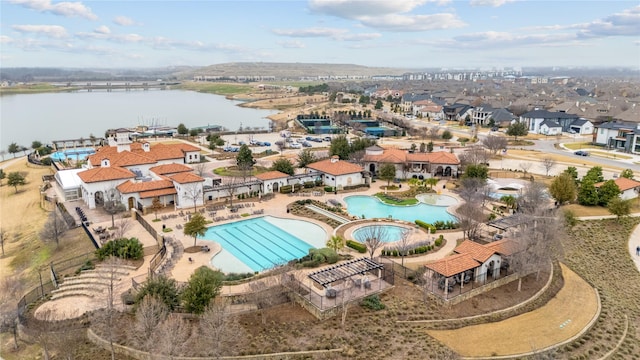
(92,283)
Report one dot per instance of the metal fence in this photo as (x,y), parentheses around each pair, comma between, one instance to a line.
(32,296)
(90,235)
(145,224)
(73,264)
(71,222)
(450,289)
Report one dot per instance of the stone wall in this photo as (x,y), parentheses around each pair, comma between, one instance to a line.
(142,355)
(480,290)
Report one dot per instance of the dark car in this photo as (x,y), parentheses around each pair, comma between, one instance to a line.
(581,153)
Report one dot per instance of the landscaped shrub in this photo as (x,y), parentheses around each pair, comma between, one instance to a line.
(317,257)
(285,189)
(309,184)
(121,248)
(430,228)
(439,240)
(373,303)
(237,276)
(88,265)
(359,247)
(328,188)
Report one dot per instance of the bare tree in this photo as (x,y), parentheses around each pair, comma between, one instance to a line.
(374,237)
(172,336)
(495,143)
(525,166)
(548,164)
(111,205)
(347,294)
(233,184)
(54,228)
(122,227)
(3,235)
(150,313)
(10,289)
(474,155)
(268,291)
(357,157)
(199,168)
(470,218)
(433,133)
(538,236)
(219,328)
(471,189)
(403,245)
(106,318)
(193,191)
(66,343)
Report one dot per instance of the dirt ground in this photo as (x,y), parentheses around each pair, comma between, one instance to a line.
(558,320)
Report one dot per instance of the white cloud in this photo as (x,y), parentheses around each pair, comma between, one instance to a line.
(53,31)
(124,21)
(5,39)
(310,32)
(388,15)
(102,30)
(492,3)
(291,44)
(626,23)
(65,8)
(397,22)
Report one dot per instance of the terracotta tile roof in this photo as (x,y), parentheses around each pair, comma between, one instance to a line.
(623,183)
(454,264)
(170,169)
(504,247)
(159,192)
(398,156)
(478,251)
(184,178)
(105,174)
(270,175)
(132,187)
(156,152)
(443,157)
(339,167)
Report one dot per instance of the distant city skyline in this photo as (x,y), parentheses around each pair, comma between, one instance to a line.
(409,34)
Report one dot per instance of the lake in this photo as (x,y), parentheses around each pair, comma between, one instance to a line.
(72,115)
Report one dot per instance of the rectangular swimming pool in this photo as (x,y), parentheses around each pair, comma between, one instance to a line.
(258,243)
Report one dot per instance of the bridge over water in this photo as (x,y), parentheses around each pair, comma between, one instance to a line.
(116,85)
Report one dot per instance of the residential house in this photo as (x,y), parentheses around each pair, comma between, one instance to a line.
(581,126)
(624,136)
(271,181)
(550,127)
(411,165)
(629,188)
(535,118)
(456,112)
(428,109)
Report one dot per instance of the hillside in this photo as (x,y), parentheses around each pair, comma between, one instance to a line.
(291,70)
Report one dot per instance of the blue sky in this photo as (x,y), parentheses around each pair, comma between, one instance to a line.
(393,33)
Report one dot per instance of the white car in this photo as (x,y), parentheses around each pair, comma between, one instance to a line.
(295,145)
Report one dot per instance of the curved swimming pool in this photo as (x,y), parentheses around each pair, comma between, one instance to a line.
(371,207)
(72,154)
(390,233)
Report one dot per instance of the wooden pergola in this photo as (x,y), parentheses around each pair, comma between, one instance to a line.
(346,270)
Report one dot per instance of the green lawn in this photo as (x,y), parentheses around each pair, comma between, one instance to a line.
(233,171)
(392,201)
(216,88)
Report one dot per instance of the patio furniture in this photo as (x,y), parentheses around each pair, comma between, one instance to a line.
(205,248)
(331,293)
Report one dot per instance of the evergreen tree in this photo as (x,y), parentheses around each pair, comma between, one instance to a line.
(387,172)
(588,194)
(563,188)
(245,160)
(607,191)
(517,129)
(627,173)
(283,165)
(195,227)
(594,174)
(340,146)
(203,286)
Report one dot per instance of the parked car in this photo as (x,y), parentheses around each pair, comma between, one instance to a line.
(306,144)
(296,145)
(327,138)
(308,138)
(581,153)
(316,139)
(266,143)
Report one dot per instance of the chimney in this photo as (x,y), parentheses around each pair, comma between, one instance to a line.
(146,147)
(335,159)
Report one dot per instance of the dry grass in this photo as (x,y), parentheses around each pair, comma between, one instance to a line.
(554,322)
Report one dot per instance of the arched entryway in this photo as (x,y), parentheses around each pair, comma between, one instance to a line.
(132,202)
(447,171)
(99,198)
(276,186)
(372,168)
(439,171)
